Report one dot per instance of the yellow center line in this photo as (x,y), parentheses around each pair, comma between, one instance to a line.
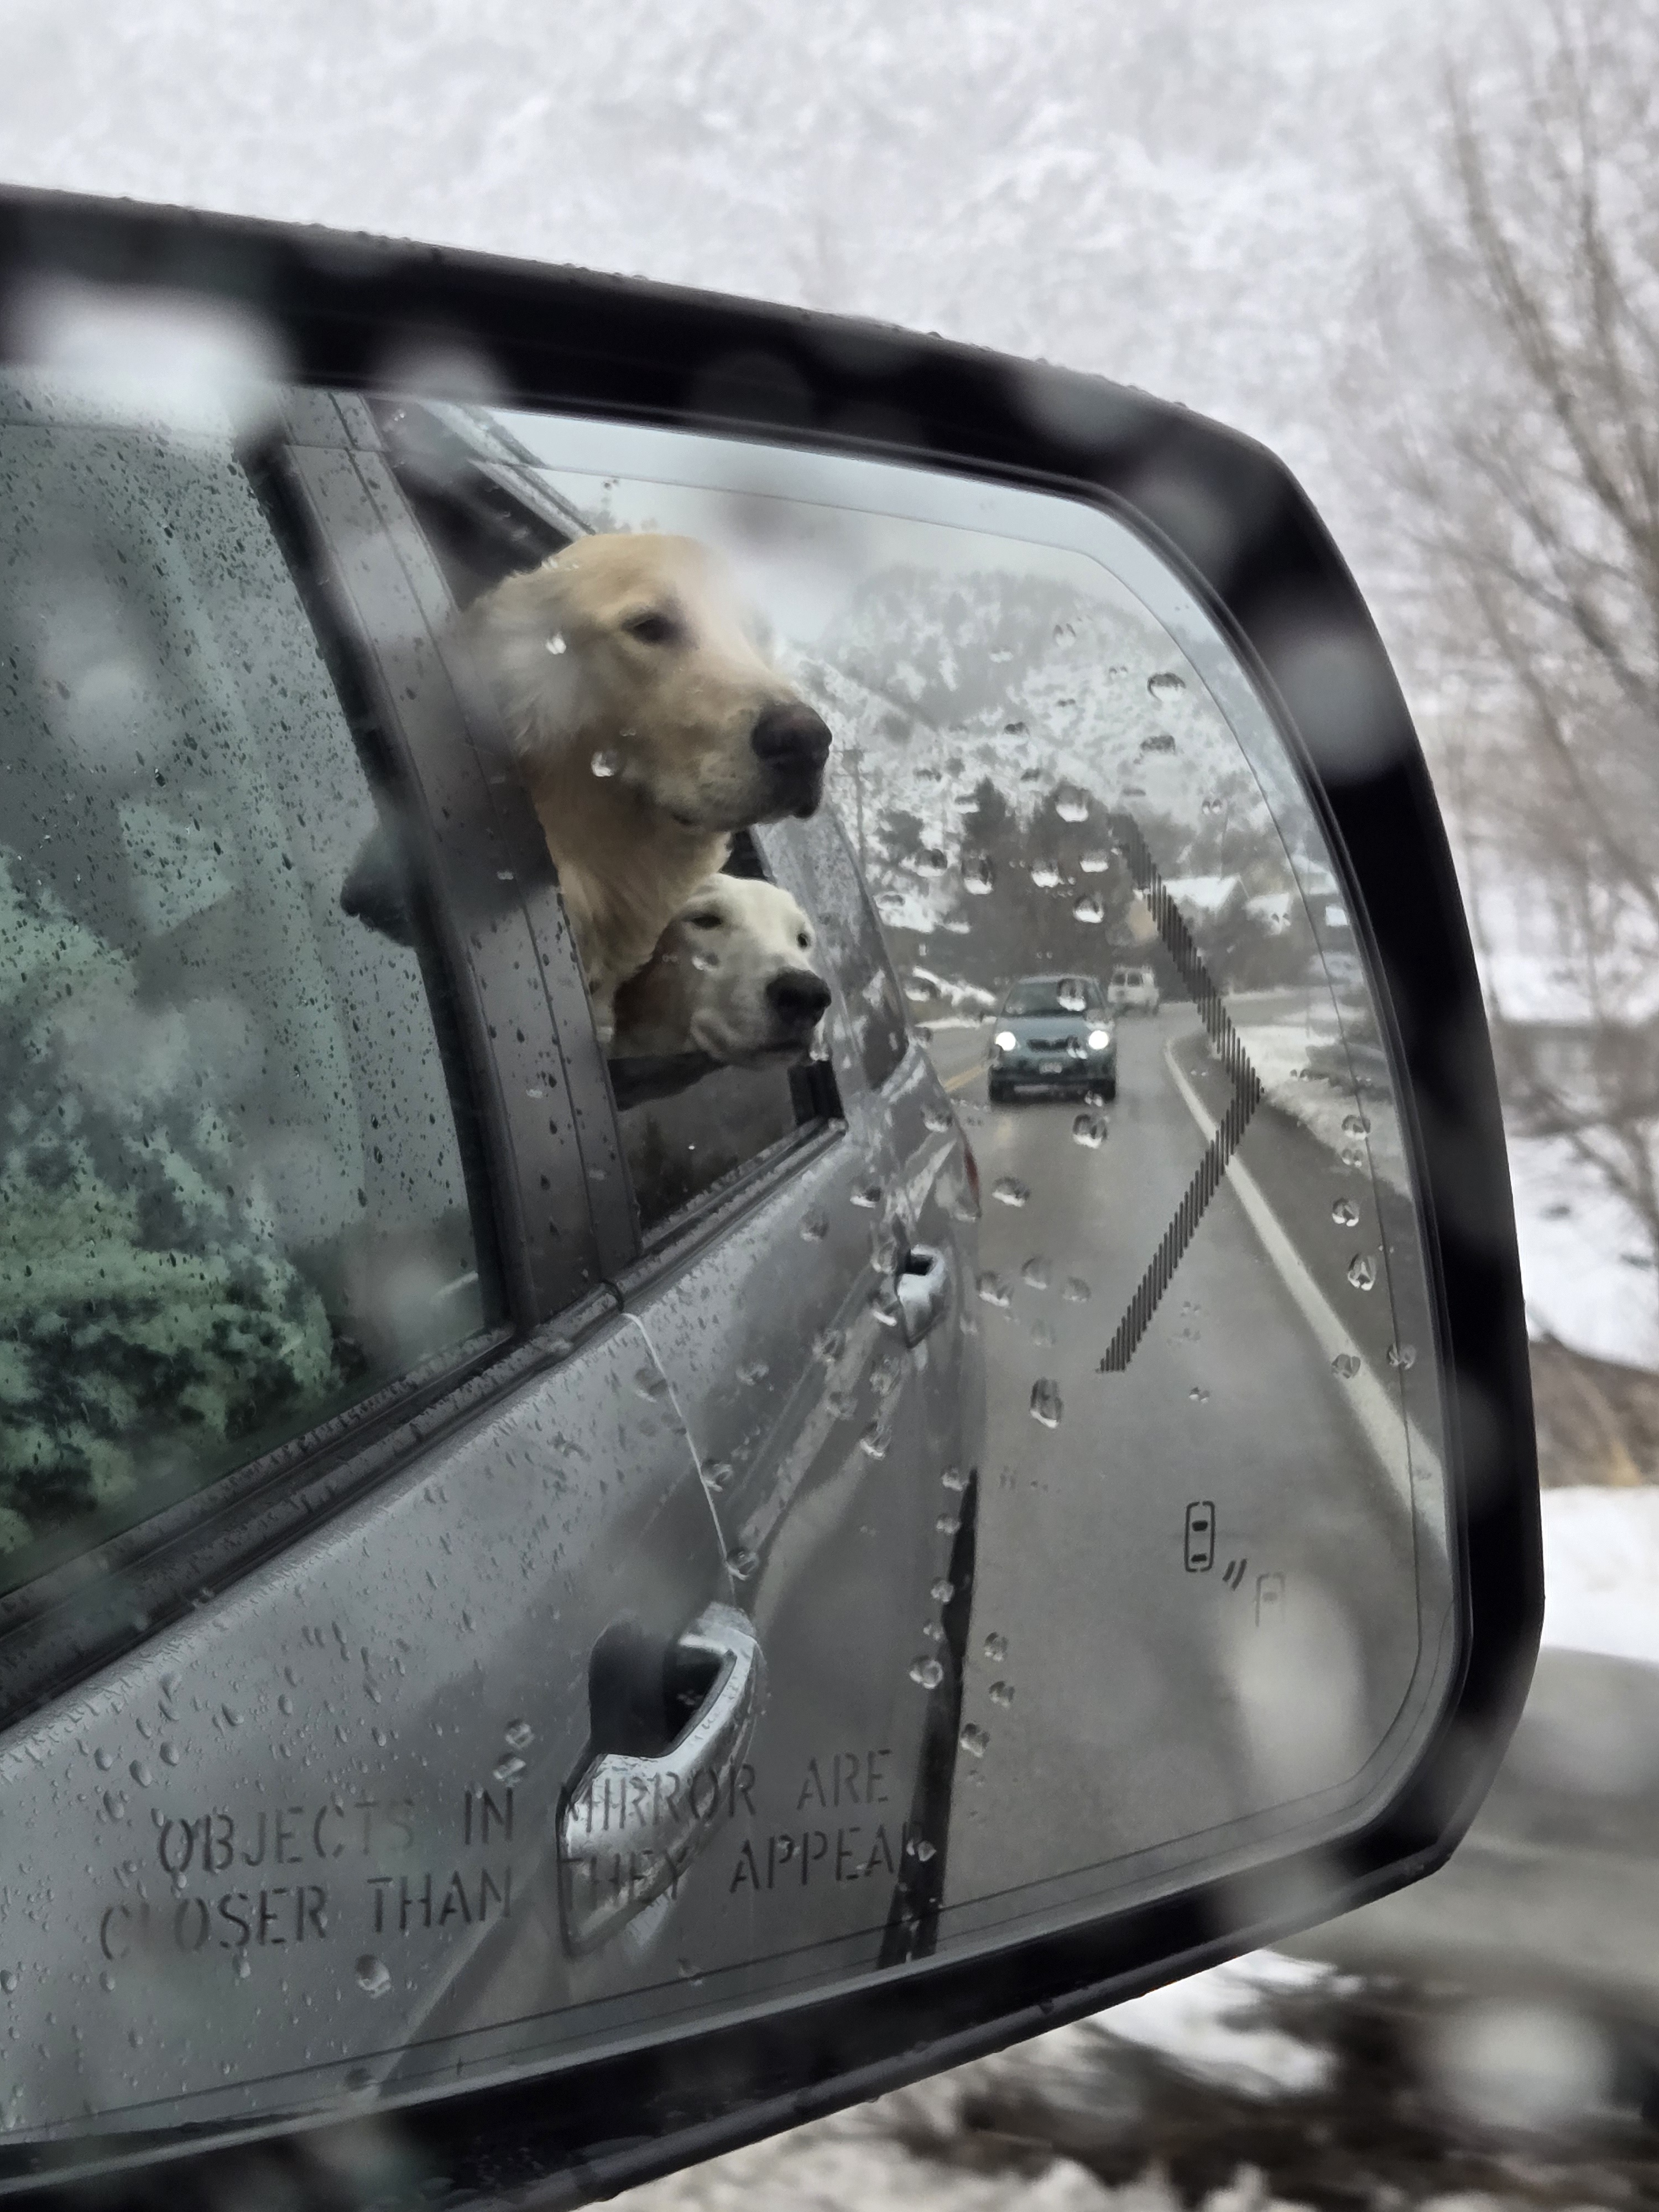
(956,1082)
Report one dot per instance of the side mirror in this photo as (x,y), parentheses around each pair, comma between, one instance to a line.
(649,1541)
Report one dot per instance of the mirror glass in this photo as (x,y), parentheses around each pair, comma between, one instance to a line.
(1009,1479)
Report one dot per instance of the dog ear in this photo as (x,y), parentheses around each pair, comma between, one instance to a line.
(518,638)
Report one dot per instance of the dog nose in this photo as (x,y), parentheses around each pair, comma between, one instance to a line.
(799,996)
(791,737)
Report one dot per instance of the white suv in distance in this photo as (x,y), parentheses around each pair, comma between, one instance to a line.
(1132,988)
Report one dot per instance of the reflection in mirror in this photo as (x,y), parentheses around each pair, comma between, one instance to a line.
(1209,1580)
(1025,1494)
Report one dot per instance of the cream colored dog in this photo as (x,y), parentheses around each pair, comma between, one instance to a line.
(647,727)
(733,976)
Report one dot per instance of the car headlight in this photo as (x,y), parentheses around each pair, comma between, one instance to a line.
(1099,1039)
(1005,1040)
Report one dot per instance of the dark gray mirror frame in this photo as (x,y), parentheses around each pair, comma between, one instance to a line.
(1230,520)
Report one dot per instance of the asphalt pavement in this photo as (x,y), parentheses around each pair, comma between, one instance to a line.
(1197,1583)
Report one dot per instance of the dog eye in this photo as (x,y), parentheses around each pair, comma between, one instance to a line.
(804,942)
(704,921)
(653,628)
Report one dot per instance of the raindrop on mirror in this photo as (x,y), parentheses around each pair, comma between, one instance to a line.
(927,1672)
(1346,1214)
(374,1975)
(605,762)
(1046,1406)
(1362,1271)
(1008,1190)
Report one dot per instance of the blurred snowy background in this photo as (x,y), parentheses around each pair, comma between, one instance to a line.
(1412,246)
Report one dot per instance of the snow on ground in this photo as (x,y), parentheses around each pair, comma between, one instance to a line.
(1584,1259)
(1602,1571)
(1197,2023)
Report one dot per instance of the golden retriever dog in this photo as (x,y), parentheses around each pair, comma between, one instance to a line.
(732,976)
(647,726)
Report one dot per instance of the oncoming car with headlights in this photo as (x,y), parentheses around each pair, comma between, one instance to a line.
(1054,1033)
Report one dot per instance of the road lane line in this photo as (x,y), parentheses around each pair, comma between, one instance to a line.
(1398,1442)
(956,1082)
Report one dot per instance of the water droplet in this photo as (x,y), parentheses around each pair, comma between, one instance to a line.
(1046,1405)
(996,1647)
(814,1226)
(107,1982)
(556,644)
(518,1735)
(170,1751)
(1001,1694)
(978,875)
(755,1371)
(1355,1125)
(1064,631)
(1089,1130)
(605,763)
(948,1524)
(868,1196)
(115,1804)
(1008,1190)
(875,1440)
(718,1473)
(829,1345)
(1199,1397)
(1070,994)
(1346,1214)
(1214,806)
(994,1292)
(740,1562)
(284,1705)
(1346,1365)
(103,1760)
(889,903)
(927,1671)
(954,1479)
(1042,1332)
(1362,1271)
(1035,1272)
(240,1966)
(1165,685)
(510,1768)
(9,1979)
(933,1631)
(1402,1355)
(1089,909)
(937,1119)
(1071,805)
(1044,874)
(233,1719)
(374,1975)
(974,1741)
(920,1848)
(930,861)
(1095,863)
(941,1592)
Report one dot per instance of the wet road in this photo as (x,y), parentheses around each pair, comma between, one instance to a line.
(1195,1594)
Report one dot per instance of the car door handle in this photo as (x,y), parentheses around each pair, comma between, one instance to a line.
(922,1287)
(632,1825)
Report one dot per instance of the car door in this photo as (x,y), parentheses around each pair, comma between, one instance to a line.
(305,1311)
(817,1339)
(804,1279)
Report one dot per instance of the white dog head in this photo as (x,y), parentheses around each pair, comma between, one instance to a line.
(633,650)
(732,976)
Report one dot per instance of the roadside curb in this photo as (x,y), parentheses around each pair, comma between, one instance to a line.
(1398,1445)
